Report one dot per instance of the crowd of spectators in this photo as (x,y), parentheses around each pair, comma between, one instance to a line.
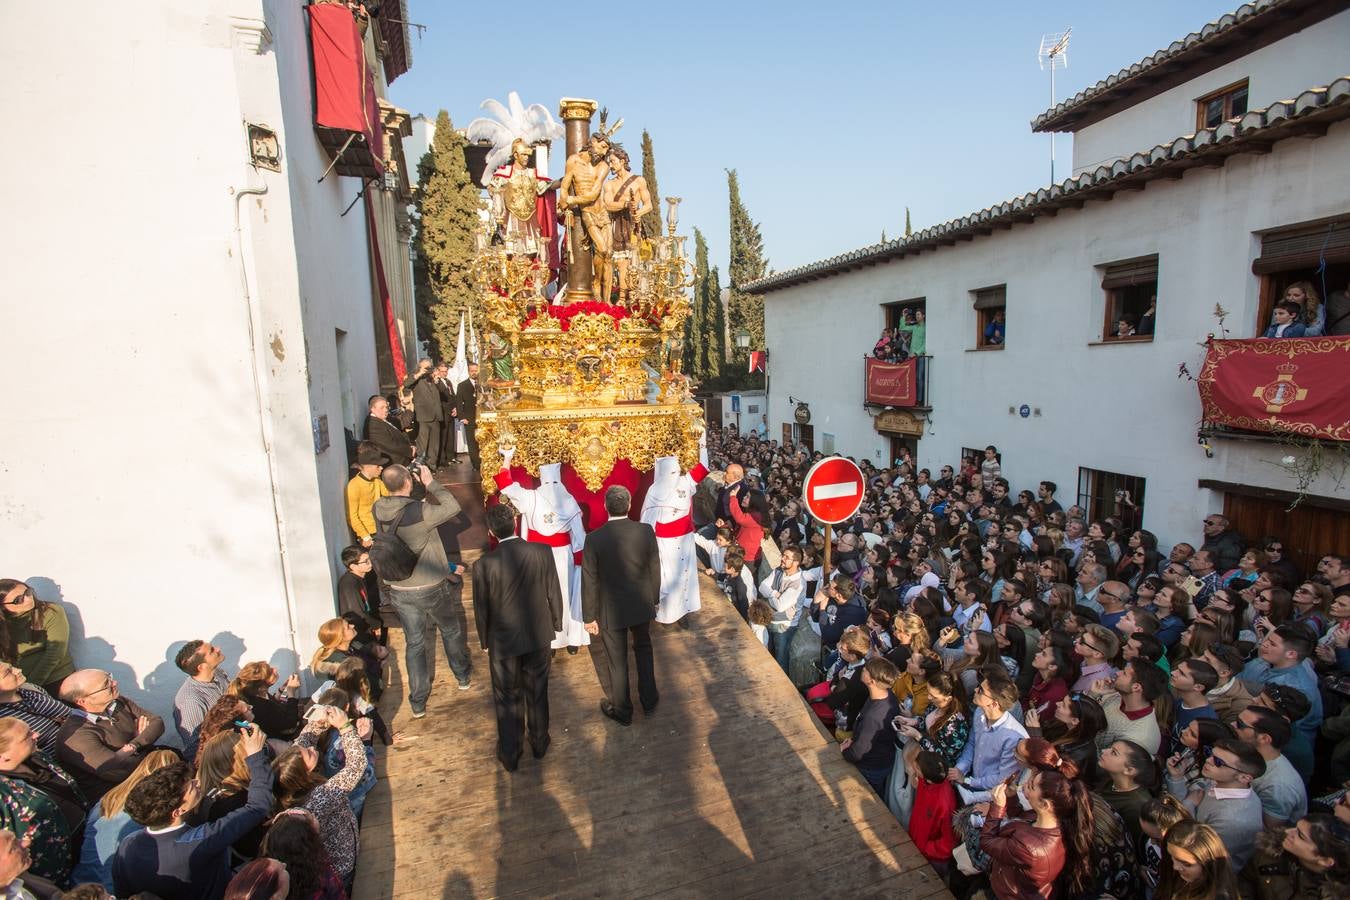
(268,784)
(262,793)
(1054,705)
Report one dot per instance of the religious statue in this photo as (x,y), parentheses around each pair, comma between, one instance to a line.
(499,356)
(519,204)
(583,183)
(627,199)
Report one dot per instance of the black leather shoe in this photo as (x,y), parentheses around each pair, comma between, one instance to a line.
(571,651)
(509,765)
(541,748)
(608,709)
(648,710)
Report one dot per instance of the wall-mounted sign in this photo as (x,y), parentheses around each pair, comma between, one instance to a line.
(1024,410)
(802,414)
(898,421)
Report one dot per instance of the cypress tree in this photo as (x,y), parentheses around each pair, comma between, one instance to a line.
(447,214)
(651,220)
(747,264)
(695,350)
(714,325)
(908,229)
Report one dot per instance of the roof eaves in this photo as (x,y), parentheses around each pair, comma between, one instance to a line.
(1207,147)
(1193,43)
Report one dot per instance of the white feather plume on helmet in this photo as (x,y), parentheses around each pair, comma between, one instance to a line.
(514,121)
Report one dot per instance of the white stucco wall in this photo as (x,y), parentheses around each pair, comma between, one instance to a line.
(1314,56)
(1115,407)
(134,486)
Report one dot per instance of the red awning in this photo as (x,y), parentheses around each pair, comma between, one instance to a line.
(344,92)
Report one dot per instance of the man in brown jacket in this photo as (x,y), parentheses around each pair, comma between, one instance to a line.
(1231,696)
(106,738)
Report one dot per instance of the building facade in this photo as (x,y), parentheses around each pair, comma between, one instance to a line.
(198,323)
(1161,235)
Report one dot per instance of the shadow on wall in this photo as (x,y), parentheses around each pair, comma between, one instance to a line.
(156,691)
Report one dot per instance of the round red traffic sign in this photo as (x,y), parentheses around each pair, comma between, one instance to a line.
(833,490)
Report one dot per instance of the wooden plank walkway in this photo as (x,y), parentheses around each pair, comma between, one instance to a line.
(731,789)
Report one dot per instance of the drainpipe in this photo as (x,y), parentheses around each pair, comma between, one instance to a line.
(264,411)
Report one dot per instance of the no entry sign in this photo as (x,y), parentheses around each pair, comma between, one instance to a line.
(833,490)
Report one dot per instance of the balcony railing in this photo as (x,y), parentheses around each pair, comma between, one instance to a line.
(900,384)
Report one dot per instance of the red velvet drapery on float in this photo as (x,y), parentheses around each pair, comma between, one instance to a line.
(592,503)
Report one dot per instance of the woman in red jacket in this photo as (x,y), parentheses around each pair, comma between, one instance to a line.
(751,514)
(1029,857)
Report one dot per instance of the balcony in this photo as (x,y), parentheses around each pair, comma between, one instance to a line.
(903,384)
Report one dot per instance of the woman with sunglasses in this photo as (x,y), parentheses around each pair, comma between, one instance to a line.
(36,636)
(1138,565)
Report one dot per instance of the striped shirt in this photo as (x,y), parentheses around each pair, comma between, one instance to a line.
(190,704)
(36,708)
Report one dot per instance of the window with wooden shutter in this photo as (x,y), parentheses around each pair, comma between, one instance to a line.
(991,313)
(1131,288)
(1312,258)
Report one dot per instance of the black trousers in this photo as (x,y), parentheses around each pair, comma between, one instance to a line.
(448,444)
(616,653)
(471,439)
(520,696)
(429,442)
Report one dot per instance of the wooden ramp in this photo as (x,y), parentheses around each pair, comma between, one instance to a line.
(730,789)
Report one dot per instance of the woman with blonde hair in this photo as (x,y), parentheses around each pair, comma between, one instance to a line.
(1196,865)
(109,822)
(335,642)
(1314,315)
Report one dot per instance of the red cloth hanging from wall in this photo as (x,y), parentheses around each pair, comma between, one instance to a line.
(1281,385)
(386,302)
(344,86)
(891,384)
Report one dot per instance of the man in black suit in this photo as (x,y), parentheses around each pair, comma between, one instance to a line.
(385,434)
(620,589)
(466,401)
(446,390)
(427,409)
(517,604)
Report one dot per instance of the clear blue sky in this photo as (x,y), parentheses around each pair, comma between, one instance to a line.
(835,115)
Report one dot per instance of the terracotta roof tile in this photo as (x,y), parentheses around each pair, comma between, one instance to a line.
(1309,112)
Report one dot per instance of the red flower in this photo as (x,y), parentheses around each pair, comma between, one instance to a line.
(564,314)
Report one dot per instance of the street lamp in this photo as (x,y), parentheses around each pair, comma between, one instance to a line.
(742,339)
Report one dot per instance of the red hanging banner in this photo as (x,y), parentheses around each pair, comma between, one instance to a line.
(891,384)
(1283,385)
(399,364)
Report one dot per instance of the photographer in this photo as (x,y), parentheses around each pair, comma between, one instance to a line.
(427,408)
(432,590)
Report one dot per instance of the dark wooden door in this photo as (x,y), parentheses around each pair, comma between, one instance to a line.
(807,437)
(1309,532)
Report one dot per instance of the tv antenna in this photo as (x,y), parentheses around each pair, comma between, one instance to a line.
(1054,54)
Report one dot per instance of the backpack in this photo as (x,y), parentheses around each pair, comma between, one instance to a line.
(392,558)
